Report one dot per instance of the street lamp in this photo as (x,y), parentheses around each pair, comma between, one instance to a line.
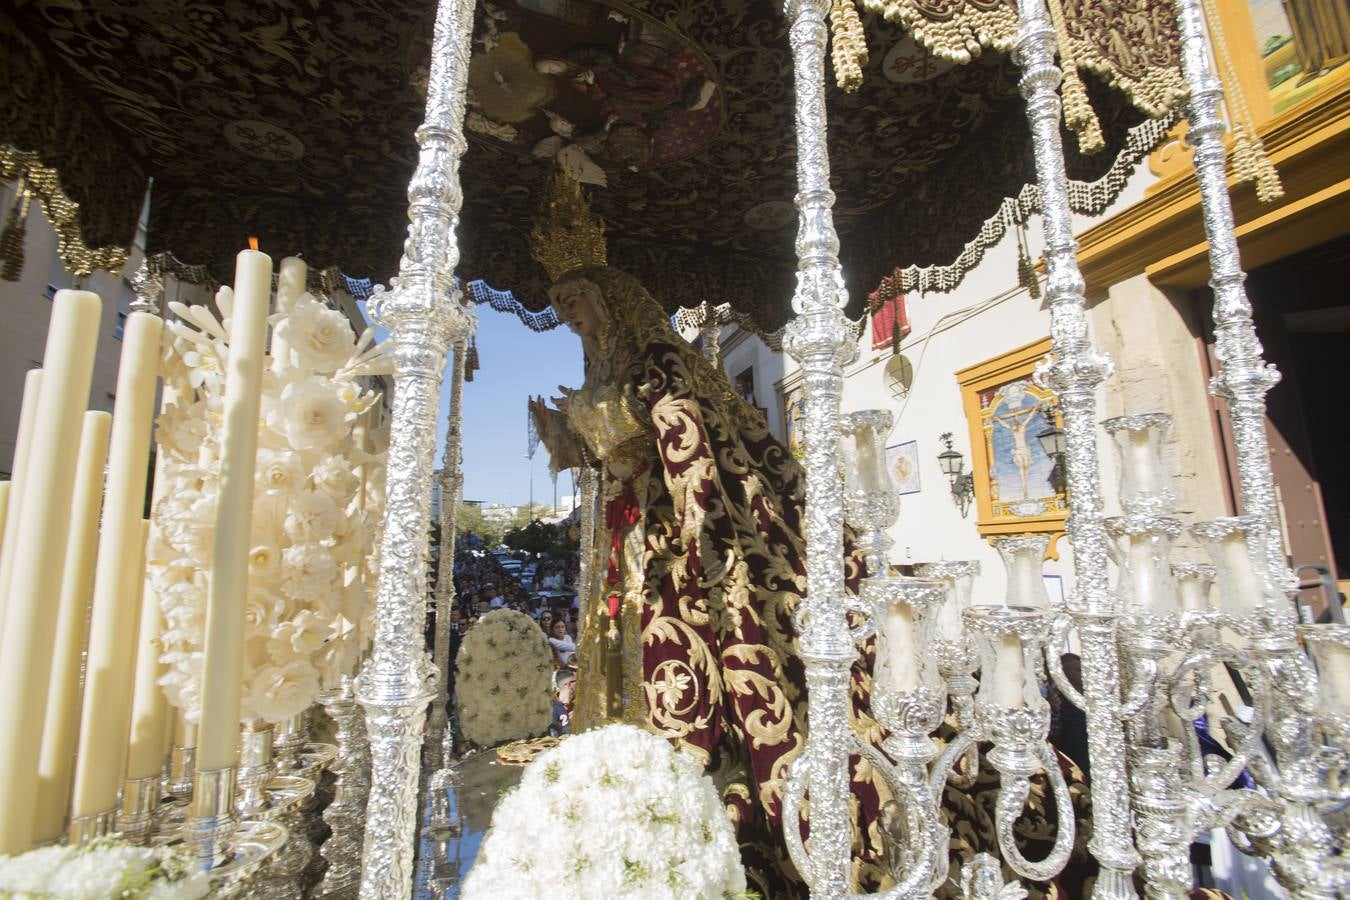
(963,485)
(1052,442)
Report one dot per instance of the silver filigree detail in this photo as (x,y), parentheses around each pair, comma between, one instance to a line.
(1074,372)
(424,313)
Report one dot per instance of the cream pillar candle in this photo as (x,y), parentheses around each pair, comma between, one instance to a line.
(1146,584)
(218,735)
(902,648)
(105,718)
(290,285)
(870,473)
(1333,673)
(57,762)
(149,707)
(1193,594)
(39,556)
(1240,588)
(4,515)
(32,384)
(1008,675)
(1143,461)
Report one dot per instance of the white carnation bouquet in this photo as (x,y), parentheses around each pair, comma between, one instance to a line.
(318,493)
(504,679)
(611,813)
(107,868)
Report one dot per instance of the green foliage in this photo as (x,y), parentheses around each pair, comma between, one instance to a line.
(554,540)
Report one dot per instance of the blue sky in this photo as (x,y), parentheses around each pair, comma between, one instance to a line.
(516,363)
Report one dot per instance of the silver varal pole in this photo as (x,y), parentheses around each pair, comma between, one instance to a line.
(1304,850)
(820,341)
(452,479)
(1074,373)
(1244,377)
(424,315)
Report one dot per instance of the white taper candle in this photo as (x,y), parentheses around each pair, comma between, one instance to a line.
(39,556)
(218,735)
(57,763)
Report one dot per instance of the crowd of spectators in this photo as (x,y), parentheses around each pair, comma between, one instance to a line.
(540,588)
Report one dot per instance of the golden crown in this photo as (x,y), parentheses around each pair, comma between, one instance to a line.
(567,236)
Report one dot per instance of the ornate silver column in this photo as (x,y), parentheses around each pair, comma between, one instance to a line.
(424,315)
(147,289)
(820,341)
(1244,377)
(452,479)
(1075,372)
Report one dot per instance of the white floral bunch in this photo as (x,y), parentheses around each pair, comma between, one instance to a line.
(307,611)
(106,868)
(611,813)
(503,679)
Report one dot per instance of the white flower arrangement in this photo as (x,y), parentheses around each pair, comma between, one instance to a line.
(503,679)
(107,868)
(313,560)
(611,813)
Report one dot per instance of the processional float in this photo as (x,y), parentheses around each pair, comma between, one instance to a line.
(1153,648)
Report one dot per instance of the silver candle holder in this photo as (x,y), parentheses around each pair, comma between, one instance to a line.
(1177,648)
(229,850)
(346,813)
(921,648)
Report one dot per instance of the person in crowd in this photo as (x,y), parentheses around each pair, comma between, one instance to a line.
(564,647)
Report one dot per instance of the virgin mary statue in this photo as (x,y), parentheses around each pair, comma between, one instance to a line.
(700,557)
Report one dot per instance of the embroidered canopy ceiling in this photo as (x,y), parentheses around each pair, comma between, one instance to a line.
(293,121)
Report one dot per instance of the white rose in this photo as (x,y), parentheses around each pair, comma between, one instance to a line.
(189,526)
(264,561)
(310,414)
(321,338)
(279,471)
(261,610)
(312,516)
(300,637)
(309,573)
(276,693)
(335,476)
(182,427)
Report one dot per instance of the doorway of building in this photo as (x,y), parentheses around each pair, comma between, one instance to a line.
(1301,307)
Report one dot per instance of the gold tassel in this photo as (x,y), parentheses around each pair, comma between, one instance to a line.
(1026,269)
(1251,163)
(471,360)
(12,237)
(1249,158)
(848,48)
(1079,115)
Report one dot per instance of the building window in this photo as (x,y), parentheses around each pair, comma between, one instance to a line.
(745,386)
(121,325)
(50,292)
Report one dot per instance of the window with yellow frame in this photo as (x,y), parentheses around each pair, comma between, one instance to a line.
(1019,481)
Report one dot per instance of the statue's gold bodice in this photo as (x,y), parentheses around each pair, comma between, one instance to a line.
(612,421)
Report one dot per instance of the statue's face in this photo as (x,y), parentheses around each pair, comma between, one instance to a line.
(578,303)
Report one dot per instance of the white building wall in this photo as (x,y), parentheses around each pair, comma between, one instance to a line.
(987,316)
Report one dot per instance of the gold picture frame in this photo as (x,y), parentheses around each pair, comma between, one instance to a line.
(1014,478)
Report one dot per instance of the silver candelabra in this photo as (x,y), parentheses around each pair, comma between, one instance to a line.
(929,641)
